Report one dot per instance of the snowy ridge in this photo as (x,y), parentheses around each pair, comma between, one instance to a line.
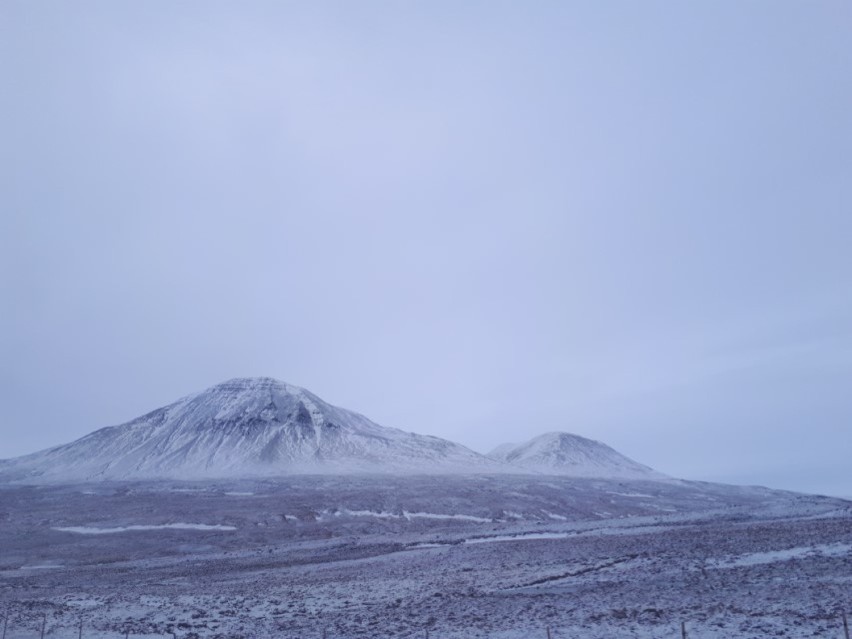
(567,454)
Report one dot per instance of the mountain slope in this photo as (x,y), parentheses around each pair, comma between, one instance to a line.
(567,454)
(246,427)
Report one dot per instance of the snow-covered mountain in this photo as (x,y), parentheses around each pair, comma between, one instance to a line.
(261,427)
(567,454)
(243,428)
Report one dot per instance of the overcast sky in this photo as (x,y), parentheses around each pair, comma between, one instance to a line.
(477,220)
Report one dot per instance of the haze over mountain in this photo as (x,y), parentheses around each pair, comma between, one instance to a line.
(567,454)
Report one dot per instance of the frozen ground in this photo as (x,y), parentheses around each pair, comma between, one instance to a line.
(502,557)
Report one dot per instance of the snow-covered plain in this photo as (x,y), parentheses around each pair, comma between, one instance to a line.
(462,557)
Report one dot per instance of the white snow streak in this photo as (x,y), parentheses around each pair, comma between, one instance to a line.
(755,558)
(89,530)
(406,515)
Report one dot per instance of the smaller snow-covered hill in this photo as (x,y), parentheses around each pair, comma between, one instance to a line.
(567,454)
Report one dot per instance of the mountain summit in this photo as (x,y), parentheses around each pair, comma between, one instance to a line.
(243,428)
(567,454)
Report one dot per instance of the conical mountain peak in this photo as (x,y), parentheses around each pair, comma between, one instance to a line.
(247,427)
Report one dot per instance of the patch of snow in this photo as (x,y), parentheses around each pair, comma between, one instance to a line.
(89,530)
(365,513)
(406,515)
(481,520)
(429,545)
(756,558)
(518,537)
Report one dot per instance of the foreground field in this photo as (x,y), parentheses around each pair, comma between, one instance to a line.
(500,557)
